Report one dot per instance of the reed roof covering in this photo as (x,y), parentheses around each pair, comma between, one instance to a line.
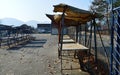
(57,18)
(75,13)
(73,16)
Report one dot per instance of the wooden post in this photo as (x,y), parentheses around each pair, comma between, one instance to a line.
(62,33)
(77,30)
(85,34)
(95,40)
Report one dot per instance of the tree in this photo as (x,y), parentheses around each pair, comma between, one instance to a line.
(98,6)
(101,7)
(117,3)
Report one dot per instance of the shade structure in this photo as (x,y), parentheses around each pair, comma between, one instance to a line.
(69,21)
(75,13)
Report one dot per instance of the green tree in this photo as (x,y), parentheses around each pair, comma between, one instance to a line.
(101,7)
(98,6)
(117,3)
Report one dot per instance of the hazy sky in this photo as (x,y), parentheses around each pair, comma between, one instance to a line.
(26,10)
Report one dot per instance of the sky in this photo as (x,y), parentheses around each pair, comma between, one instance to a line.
(26,10)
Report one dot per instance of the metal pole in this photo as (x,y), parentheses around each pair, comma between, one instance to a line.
(118,48)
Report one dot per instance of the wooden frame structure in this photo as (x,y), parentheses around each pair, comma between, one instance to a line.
(71,16)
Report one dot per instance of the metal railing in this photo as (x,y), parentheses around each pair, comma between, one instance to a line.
(115,42)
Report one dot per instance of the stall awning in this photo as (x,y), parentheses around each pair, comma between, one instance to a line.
(74,12)
(73,16)
(67,21)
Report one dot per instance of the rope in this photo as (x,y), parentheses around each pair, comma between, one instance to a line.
(90,38)
(105,50)
(95,41)
(89,42)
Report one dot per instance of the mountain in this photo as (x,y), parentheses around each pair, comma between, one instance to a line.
(11,21)
(32,23)
(16,22)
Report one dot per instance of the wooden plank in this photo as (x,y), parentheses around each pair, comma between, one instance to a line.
(66,37)
(73,46)
(68,41)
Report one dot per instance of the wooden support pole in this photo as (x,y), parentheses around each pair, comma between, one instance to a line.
(62,33)
(80,34)
(95,40)
(112,36)
(85,34)
(77,30)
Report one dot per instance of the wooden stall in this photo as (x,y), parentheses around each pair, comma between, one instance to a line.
(72,16)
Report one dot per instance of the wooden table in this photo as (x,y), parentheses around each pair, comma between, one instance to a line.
(68,41)
(73,46)
(66,37)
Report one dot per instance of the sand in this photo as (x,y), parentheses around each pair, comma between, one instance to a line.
(38,57)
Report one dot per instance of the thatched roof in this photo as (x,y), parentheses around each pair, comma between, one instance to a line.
(74,12)
(73,15)
(67,21)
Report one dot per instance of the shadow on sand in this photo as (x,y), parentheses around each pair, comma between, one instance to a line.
(30,44)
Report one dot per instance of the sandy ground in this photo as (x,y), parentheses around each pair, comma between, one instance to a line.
(37,57)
